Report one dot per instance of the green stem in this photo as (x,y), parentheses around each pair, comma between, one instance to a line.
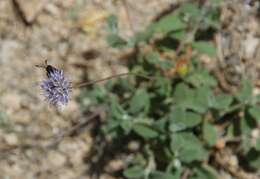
(191,36)
(233,108)
(151,163)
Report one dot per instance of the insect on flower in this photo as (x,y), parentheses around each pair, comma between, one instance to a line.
(56,88)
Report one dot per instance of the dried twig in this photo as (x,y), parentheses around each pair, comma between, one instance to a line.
(84,84)
(186,174)
(128,15)
(58,138)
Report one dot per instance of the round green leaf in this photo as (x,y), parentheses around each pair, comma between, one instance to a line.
(255,112)
(205,48)
(169,23)
(181,119)
(187,147)
(134,172)
(209,133)
(139,102)
(145,131)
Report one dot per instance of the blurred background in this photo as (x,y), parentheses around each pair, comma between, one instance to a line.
(191,43)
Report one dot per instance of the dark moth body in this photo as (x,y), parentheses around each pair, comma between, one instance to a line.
(50,70)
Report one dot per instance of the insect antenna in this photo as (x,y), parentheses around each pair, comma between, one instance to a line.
(44,65)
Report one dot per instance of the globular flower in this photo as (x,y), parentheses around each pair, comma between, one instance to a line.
(56,88)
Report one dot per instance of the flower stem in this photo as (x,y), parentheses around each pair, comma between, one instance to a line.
(84,84)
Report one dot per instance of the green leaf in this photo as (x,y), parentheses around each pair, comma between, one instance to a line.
(257,146)
(209,133)
(246,144)
(117,110)
(201,78)
(165,64)
(183,95)
(205,48)
(246,125)
(160,125)
(181,119)
(255,99)
(222,101)
(178,34)
(231,132)
(122,84)
(192,119)
(178,141)
(3,119)
(112,24)
(190,9)
(205,172)
(134,172)
(245,94)
(96,96)
(254,111)
(192,154)
(177,116)
(145,131)
(127,124)
(140,102)
(168,23)
(116,41)
(153,58)
(253,158)
(212,20)
(144,35)
(202,100)
(164,175)
(187,147)
(215,1)
(163,86)
(111,127)
(198,100)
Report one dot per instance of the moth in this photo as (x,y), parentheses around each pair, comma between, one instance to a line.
(49,68)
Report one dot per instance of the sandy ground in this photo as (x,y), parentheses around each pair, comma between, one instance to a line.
(57,30)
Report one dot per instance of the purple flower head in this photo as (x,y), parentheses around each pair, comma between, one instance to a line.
(56,88)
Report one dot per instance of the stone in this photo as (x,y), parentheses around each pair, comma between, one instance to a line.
(11,101)
(30,8)
(11,139)
(56,159)
(250,46)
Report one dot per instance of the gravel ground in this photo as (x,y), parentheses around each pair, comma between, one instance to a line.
(64,32)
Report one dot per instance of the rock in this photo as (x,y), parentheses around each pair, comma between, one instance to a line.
(56,159)
(115,165)
(30,8)
(8,51)
(220,144)
(74,150)
(11,139)
(22,117)
(250,46)
(71,110)
(255,133)
(11,101)
(52,9)
(233,161)
(133,146)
